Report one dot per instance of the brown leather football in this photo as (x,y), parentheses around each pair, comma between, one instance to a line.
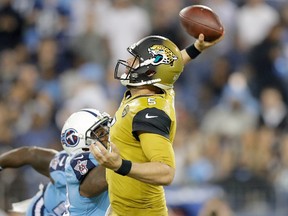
(198,19)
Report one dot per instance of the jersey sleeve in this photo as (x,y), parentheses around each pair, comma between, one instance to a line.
(151,120)
(157,148)
(81,164)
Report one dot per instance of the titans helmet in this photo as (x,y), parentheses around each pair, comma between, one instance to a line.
(157,61)
(83,128)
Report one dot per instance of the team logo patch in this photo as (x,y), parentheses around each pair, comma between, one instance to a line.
(81,167)
(69,138)
(125,111)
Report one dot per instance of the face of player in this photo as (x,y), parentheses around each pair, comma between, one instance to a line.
(101,133)
(125,67)
(132,62)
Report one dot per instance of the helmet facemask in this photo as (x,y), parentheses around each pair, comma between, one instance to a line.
(134,73)
(99,132)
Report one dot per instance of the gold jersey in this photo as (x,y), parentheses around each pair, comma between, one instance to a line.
(153,114)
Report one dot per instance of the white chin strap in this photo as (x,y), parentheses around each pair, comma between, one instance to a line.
(149,82)
(156,82)
(125,81)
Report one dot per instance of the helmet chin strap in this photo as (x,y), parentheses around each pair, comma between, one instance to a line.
(147,82)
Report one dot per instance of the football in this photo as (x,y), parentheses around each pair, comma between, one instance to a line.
(198,19)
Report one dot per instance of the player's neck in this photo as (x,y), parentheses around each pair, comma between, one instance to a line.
(144,90)
(136,91)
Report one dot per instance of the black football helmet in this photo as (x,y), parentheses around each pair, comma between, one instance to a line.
(157,61)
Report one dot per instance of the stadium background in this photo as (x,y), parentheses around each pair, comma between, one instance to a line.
(57,56)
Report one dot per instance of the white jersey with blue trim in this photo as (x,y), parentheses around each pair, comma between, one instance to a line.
(50,200)
(77,167)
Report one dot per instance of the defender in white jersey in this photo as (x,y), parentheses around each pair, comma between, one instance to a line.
(86,181)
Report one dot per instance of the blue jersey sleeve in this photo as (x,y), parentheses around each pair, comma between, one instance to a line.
(82,164)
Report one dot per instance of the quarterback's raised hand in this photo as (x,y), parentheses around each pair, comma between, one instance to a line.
(199,45)
(109,158)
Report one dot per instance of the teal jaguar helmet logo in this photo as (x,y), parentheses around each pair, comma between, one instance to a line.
(161,55)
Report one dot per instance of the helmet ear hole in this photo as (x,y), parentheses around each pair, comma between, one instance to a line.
(150,73)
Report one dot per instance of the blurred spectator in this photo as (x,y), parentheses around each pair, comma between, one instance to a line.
(215,207)
(47,19)
(48,15)
(89,45)
(201,85)
(8,74)
(50,64)
(188,136)
(88,91)
(263,59)
(42,133)
(6,126)
(165,21)
(273,111)
(282,168)
(213,84)
(9,63)
(236,111)
(256,18)
(281,62)
(95,10)
(249,192)
(11,27)
(129,23)
(284,21)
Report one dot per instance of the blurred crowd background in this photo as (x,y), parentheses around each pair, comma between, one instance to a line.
(57,56)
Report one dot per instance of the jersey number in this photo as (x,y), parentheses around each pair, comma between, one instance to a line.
(60,209)
(151,101)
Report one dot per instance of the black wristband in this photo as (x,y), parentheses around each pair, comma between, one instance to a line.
(125,167)
(192,51)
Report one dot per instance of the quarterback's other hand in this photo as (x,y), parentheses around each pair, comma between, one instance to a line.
(109,158)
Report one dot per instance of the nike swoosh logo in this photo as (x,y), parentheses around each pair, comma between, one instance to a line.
(78,158)
(148,116)
(61,163)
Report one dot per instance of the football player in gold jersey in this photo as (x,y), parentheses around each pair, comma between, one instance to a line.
(140,158)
